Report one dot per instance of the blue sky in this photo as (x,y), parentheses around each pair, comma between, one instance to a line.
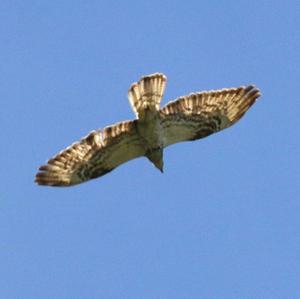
(221,222)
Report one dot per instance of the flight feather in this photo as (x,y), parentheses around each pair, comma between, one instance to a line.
(189,117)
(198,115)
(93,156)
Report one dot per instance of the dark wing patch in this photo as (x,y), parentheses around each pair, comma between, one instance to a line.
(93,156)
(198,115)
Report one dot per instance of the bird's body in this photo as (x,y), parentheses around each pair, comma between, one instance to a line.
(145,97)
(149,131)
(191,117)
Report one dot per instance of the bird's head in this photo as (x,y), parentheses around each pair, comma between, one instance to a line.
(156,157)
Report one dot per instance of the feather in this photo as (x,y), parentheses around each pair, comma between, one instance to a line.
(95,155)
(198,115)
(190,117)
(147,93)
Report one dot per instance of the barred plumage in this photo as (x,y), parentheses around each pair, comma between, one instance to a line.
(190,117)
(90,157)
(200,114)
(147,93)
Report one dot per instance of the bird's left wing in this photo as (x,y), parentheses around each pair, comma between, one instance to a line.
(198,115)
(93,156)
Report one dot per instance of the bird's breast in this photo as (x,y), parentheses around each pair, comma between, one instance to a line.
(150,132)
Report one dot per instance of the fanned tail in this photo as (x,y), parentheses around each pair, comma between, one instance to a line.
(147,93)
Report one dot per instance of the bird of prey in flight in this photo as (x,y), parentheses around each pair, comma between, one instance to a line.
(187,118)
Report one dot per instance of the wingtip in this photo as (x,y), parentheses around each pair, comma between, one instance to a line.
(252,93)
(47,177)
(253,90)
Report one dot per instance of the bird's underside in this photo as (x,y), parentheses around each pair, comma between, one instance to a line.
(189,117)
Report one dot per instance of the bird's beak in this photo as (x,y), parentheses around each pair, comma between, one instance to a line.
(160,168)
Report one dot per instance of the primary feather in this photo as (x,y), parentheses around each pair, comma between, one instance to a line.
(190,117)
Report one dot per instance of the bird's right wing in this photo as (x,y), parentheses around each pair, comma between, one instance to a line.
(93,156)
(198,115)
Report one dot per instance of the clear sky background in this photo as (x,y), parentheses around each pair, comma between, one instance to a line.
(221,222)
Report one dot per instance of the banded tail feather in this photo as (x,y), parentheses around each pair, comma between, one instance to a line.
(189,117)
(146,94)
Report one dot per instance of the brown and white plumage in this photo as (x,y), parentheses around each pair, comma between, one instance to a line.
(95,155)
(147,93)
(198,115)
(190,117)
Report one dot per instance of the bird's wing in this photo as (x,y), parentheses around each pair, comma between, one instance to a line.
(93,156)
(198,115)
